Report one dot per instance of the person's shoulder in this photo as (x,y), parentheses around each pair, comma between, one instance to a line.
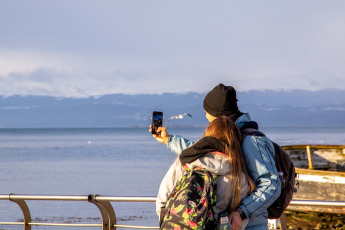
(256,141)
(216,163)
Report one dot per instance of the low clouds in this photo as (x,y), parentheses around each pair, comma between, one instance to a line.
(53,82)
(39,82)
(86,48)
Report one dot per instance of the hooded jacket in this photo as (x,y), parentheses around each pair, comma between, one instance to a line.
(258,153)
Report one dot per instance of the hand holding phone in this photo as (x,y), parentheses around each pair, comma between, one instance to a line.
(157,121)
(156,128)
(162,135)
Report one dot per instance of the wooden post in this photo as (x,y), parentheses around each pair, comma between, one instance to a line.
(283,222)
(309,157)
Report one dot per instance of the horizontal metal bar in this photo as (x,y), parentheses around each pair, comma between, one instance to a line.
(48,197)
(135,226)
(52,224)
(65,225)
(99,198)
(4,197)
(303,147)
(11,223)
(78,225)
(318,203)
(77,198)
(125,199)
(145,199)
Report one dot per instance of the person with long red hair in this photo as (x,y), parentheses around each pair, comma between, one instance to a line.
(218,151)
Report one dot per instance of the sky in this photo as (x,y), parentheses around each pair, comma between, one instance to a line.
(85,48)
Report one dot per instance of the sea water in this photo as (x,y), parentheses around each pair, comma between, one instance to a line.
(109,162)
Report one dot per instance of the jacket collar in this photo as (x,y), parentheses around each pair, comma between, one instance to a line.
(242,120)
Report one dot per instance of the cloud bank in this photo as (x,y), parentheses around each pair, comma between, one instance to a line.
(85,48)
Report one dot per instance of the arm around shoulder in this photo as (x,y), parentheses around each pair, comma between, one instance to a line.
(171,178)
(259,159)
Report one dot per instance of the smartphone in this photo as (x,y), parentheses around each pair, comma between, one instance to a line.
(157,121)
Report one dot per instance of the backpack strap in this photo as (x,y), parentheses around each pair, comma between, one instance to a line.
(250,131)
(278,156)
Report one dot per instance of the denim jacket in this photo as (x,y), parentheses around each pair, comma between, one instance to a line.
(258,153)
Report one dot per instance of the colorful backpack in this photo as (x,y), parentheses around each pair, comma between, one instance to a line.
(192,204)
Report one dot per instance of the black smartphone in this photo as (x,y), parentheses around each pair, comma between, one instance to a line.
(157,121)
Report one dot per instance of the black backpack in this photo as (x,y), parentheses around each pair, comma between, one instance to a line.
(287,175)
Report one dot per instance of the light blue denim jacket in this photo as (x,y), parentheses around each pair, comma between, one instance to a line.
(258,153)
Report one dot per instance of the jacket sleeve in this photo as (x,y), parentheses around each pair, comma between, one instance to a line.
(259,158)
(171,178)
(177,144)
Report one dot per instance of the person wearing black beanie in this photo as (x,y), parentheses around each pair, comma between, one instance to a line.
(222,100)
(258,152)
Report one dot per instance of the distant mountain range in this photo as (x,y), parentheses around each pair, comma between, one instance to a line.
(294,108)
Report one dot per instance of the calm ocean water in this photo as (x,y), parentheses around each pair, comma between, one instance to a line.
(112,162)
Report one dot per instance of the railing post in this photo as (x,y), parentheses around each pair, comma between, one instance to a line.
(283,222)
(309,157)
(25,209)
(103,210)
(112,217)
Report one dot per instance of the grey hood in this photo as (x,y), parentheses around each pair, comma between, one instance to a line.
(215,163)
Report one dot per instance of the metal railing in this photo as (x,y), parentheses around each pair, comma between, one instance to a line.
(107,210)
(319,203)
(102,202)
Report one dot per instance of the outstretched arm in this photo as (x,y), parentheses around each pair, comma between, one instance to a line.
(175,143)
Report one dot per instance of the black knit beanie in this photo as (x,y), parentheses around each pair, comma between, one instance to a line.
(221,100)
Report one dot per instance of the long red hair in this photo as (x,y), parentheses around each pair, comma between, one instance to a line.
(226,130)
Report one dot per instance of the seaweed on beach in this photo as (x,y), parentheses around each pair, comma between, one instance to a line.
(314,220)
